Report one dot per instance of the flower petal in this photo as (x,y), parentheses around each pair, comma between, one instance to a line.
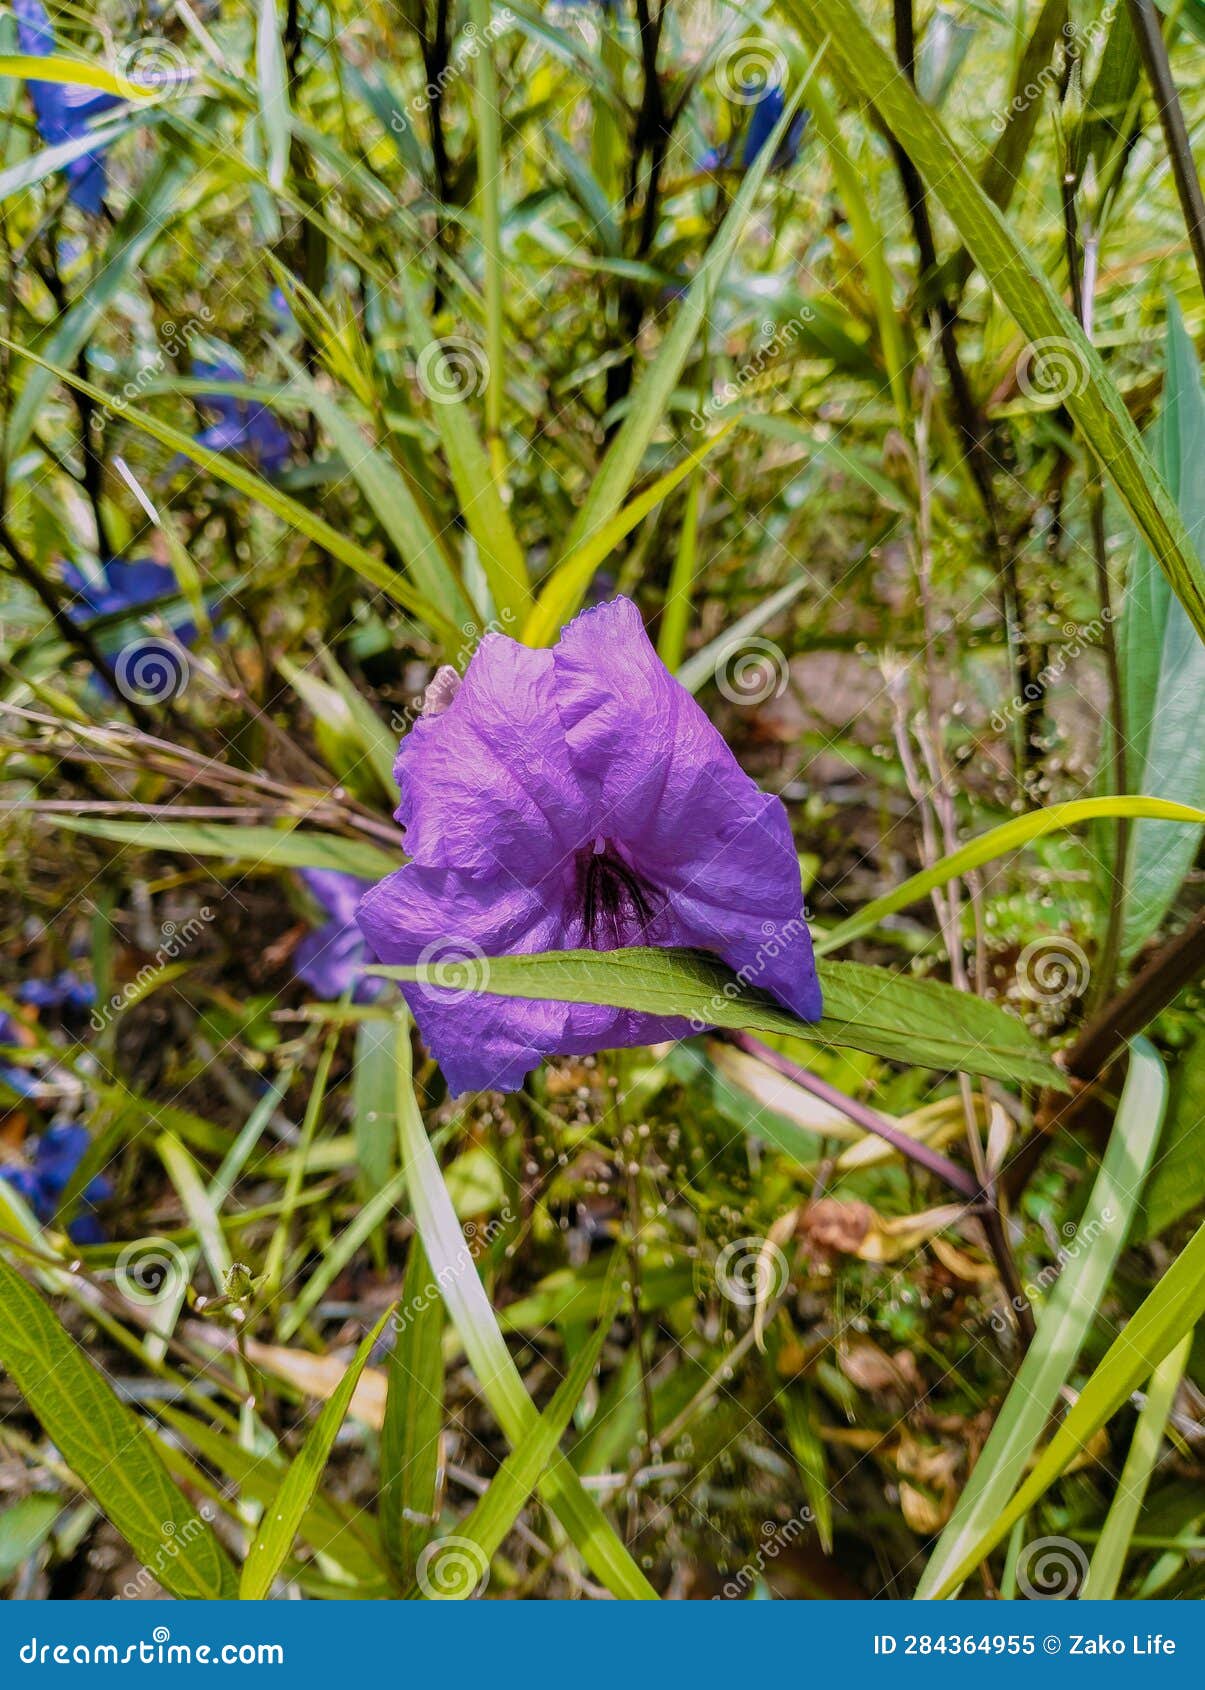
(665,787)
(487,783)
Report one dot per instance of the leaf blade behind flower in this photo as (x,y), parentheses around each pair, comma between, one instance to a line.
(918,1022)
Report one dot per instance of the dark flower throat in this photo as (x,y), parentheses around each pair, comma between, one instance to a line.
(617,905)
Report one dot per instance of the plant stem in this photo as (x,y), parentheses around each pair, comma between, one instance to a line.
(1153,48)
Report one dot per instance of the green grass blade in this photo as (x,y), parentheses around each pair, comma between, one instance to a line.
(105,1444)
(487,107)
(867,72)
(1063,1325)
(1109,1556)
(469,1308)
(1167,1316)
(1009,836)
(486,1528)
(283,1515)
(287,848)
(414,1411)
(273,80)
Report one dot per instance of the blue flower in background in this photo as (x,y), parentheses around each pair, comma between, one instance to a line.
(19,1080)
(121,588)
(66,992)
(59,1153)
(765,114)
(242,425)
(64,111)
(332,957)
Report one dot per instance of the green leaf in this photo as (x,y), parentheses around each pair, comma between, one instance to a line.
(487,1526)
(287,848)
(74,73)
(1063,1325)
(106,1445)
(703,665)
(273,80)
(1163,662)
(1177,1182)
(919,1022)
(867,72)
(469,1308)
(1009,836)
(283,1515)
(24,1528)
(1167,1316)
(1109,1557)
(413,1418)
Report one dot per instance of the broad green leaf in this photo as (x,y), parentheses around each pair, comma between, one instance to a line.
(106,1445)
(414,1411)
(487,1526)
(1063,1324)
(284,847)
(469,1308)
(1163,662)
(919,1022)
(223,466)
(273,81)
(1167,1316)
(282,1516)
(1009,836)
(866,72)
(655,388)
(1109,1557)
(75,73)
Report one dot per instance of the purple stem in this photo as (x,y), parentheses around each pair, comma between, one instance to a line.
(962,1182)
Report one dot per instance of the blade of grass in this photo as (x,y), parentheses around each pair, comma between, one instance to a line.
(1063,1325)
(469,1308)
(410,1436)
(1109,1556)
(282,1517)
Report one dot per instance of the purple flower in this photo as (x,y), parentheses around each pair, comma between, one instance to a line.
(64,111)
(59,1153)
(579,798)
(332,957)
(65,992)
(242,425)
